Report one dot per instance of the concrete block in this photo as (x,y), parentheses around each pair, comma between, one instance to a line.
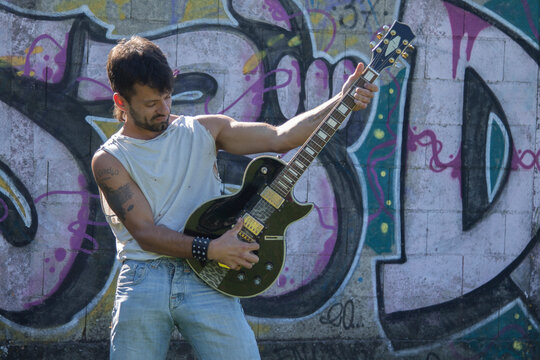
(416,232)
(409,286)
(445,235)
(479,269)
(518,65)
(426,190)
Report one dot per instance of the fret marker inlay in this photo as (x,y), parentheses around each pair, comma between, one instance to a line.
(322,135)
(343,108)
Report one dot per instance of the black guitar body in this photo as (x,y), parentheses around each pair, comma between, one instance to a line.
(215,217)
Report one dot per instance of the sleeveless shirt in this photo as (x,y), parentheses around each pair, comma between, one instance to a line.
(176,171)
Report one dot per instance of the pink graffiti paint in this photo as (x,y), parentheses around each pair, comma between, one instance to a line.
(256,90)
(47,73)
(530,19)
(527,159)
(277,11)
(428,138)
(98,88)
(461,23)
(78,231)
(279,14)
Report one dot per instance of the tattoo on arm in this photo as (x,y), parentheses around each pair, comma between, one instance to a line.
(106,174)
(118,198)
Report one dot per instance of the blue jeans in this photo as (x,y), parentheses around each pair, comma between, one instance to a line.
(152,297)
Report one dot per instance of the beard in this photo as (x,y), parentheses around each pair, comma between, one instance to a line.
(151,125)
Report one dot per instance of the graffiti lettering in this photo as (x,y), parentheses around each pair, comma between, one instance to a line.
(340,315)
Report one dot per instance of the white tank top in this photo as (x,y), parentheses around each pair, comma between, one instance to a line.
(176,172)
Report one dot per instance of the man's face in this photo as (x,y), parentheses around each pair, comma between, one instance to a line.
(149,109)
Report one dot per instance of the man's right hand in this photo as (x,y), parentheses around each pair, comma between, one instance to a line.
(229,250)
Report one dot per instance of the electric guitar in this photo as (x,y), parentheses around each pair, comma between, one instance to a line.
(265,200)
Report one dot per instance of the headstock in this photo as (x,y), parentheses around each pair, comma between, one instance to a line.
(394,41)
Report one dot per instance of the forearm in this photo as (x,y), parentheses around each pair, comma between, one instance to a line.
(295,132)
(164,241)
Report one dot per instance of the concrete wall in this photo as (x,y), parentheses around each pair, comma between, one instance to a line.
(423,243)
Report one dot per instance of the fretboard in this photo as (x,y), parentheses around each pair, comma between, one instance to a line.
(291,173)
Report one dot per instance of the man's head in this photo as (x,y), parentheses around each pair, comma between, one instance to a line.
(137,61)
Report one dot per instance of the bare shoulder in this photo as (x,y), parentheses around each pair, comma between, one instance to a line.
(214,123)
(105,166)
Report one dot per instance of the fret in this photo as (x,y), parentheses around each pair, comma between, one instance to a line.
(349,101)
(294,173)
(328,130)
(318,142)
(338,116)
(322,135)
(289,180)
(281,188)
(306,158)
(310,151)
(299,164)
(332,123)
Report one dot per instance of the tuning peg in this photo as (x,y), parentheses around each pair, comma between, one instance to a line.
(379,35)
(391,60)
(405,55)
(410,48)
(372,44)
(386,28)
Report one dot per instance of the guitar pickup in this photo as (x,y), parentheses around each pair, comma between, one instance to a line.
(252,224)
(272,197)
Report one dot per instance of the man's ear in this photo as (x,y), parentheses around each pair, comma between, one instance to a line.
(119,101)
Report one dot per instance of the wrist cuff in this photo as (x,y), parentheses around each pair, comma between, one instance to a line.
(199,248)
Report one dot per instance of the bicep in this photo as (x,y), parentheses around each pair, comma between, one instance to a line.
(240,137)
(122,194)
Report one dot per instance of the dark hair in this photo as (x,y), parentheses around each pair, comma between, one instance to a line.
(137,60)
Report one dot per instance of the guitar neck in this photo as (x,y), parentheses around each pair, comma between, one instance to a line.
(291,173)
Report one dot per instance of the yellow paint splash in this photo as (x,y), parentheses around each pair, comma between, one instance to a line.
(98,7)
(518,345)
(253,62)
(203,9)
(109,127)
(378,133)
(4,185)
(119,5)
(388,202)
(275,39)
(380,116)
(383,173)
(351,41)
(390,91)
(384,228)
(295,41)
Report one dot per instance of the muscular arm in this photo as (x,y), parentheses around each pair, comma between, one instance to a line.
(130,205)
(248,138)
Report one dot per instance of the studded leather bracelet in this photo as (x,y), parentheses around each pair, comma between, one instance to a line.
(199,248)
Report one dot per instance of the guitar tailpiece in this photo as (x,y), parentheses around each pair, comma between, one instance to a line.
(199,248)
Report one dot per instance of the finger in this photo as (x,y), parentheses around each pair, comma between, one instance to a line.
(251,246)
(371,87)
(252,258)
(238,226)
(359,70)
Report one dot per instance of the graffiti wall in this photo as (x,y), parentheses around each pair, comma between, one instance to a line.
(424,238)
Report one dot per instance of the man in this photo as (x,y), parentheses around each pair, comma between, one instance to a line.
(152,175)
